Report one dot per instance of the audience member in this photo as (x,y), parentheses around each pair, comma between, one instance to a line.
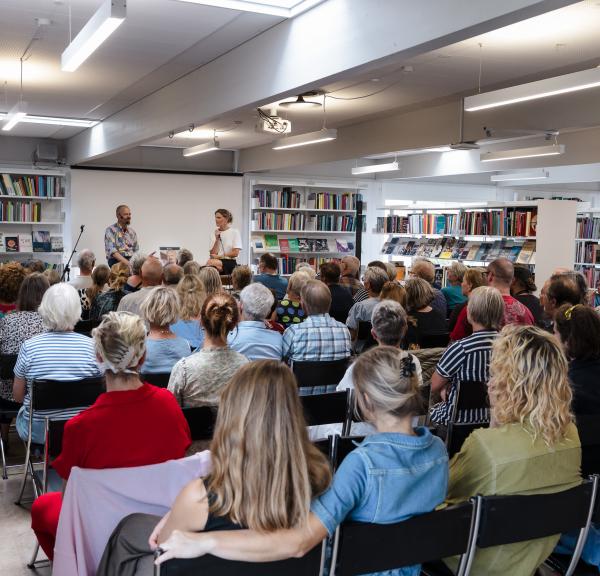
(341,297)
(163,348)
(532,446)
(391,271)
(307,268)
(52,276)
(523,288)
(500,275)
(172,274)
(458,324)
(264,472)
(468,360)
(108,301)
(578,329)
(350,267)
(374,280)
(423,268)
(453,290)
(251,337)
(198,379)
(240,278)
(211,279)
(100,276)
(289,310)
(394,291)
(267,268)
(423,319)
(134,283)
(131,424)
(58,354)
(271,321)
(183,257)
(563,288)
(191,298)
(35,265)
(151,277)
(12,275)
(85,263)
(191,267)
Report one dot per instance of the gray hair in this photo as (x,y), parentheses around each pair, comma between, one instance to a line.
(457,269)
(161,306)
(376,277)
(316,297)
(307,269)
(136,263)
(486,307)
(256,301)
(86,260)
(389,322)
(60,308)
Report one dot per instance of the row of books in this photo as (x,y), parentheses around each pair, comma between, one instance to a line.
(285,198)
(287,264)
(289,198)
(588,227)
(43,186)
(299,221)
(19,211)
(274,243)
(517,251)
(592,275)
(588,252)
(36,241)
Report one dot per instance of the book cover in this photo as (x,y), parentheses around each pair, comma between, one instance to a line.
(392,244)
(56,243)
(440,224)
(448,248)
(384,247)
(304,245)
(526,252)
(400,247)
(41,241)
(8,185)
(342,246)
(2,248)
(11,243)
(25,243)
(409,249)
(438,248)
(457,249)
(321,245)
(293,242)
(350,246)
(473,250)
(168,254)
(271,242)
(284,245)
(494,251)
(515,250)
(464,254)
(258,243)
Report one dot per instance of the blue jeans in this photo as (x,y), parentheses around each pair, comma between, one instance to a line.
(38,428)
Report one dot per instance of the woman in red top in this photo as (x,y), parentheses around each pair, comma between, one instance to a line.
(131,424)
(458,323)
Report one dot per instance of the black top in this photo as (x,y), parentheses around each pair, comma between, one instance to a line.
(341,302)
(420,323)
(454,315)
(533,303)
(585,382)
(214,523)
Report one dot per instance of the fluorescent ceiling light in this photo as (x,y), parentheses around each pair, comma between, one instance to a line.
(535,152)
(59,121)
(202,148)
(373,168)
(15,115)
(99,27)
(514,176)
(533,90)
(323,135)
(282,8)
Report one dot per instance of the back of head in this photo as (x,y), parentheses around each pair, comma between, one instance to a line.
(184,256)
(211,280)
(86,261)
(60,308)
(136,263)
(296,282)
(172,274)
(316,298)
(161,306)
(120,341)
(352,264)
(375,278)
(152,272)
(257,301)
(422,268)
(523,276)
(579,330)
(486,308)
(385,380)
(261,451)
(529,383)
(219,315)
(475,277)
(101,275)
(393,291)
(306,269)
(568,288)
(191,297)
(391,271)
(419,294)
(52,275)
(389,322)
(330,272)
(457,269)
(36,265)
(377,264)
(119,273)
(241,277)
(503,272)
(31,292)
(268,262)
(191,267)
(12,275)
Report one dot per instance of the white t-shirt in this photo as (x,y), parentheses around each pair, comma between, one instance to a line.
(230,239)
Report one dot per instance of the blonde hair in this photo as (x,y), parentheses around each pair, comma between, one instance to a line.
(393,291)
(265,471)
(211,280)
(297,281)
(418,294)
(220,314)
(119,273)
(391,270)
(423,268)
(529,382)
(241,277)
(120,341)
(191,297)
(191,267)
(457,269)
(161,306)
(475,277)
(486,307)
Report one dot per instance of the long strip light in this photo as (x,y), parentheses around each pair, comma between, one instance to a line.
(517,176)
(533,90)
(99,27)
(535,152)
(282,8)
(323,135)
(374,168)
(202,148)
(55,121)
(16,114)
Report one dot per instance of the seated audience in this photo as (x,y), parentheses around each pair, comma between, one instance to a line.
(390,476)
(267,268)
(251,337)
(172,274)
(58,354)
(532,446)
(350,267)
(271,320)
(163,348)
(85,263)
(198,379)
(289,310)
(12,275)
(423,268)
(374,280)
(393,291)
(453,291)
(35,265)
(262,480)
(523,288)
(240,278)
(423,319)
(391,271)
(458,324)
(191,267)
(151,277)
(131,424)
(211,279)
(100,276)
(108,301)
(468,360)
(578,329)
(341,297)
(307,268)
(53,276)
(563,288)
(134,282)
(500,274)
(184,256)
(191,298)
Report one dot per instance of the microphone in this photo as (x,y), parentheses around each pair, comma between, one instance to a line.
(223,247)
(82,227)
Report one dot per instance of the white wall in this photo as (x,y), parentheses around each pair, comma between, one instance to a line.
(167,209)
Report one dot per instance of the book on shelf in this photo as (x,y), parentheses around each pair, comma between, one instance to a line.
(305,245)
(56,243)
(2,247)
(526,252)
(473,250)
(20,211)
(25,243)
(32,186)
(258,243)
(11,243)
(322,245)
(438,248)
(344,246)
(294,245)
(588,227)
(41,241)
(271,242)
(448,249)
(284,245)
(284,198)
(400,248)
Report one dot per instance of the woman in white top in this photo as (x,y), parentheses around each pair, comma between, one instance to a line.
(225,242)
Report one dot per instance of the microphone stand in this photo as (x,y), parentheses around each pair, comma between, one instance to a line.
(67,268)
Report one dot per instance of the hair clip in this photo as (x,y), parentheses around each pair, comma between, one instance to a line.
(569,311)
(408,366)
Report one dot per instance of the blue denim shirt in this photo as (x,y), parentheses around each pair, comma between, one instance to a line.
(255,341)
(388,478)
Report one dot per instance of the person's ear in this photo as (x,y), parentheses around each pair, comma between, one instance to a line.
(374,336)
(142,360)
(99,358)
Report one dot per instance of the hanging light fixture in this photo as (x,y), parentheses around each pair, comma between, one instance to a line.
(18,112)
(518,153)
(300,103)
(374,168)
(203,148)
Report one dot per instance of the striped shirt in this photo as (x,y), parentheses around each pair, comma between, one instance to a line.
(465,360)
(55,356)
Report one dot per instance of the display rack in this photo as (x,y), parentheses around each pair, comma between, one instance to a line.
(587,245)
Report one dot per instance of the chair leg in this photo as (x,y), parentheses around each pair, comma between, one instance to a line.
(26,469)
(31,563)
(4,471)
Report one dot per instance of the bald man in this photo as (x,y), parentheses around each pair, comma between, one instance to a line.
(500,274)
(152,275)
(120,240)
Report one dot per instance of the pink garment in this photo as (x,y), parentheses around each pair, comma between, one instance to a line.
(95,501)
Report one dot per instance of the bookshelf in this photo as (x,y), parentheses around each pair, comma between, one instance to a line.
(32,214)
(587,245)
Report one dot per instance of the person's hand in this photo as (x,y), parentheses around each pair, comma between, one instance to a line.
(153,540)
(444,393)
(183,545)
(217,234)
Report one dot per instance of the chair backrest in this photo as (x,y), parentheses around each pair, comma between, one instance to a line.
(320,373)
(63,394)
(7,366)
(588,427)
(328,408)
(472,395)
(201,421)
(55,429)
(367,548)
(342,446)
(86,326)
(159,379)
(433,340)
(325,446)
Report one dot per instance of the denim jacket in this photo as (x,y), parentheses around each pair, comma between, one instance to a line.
(388,478)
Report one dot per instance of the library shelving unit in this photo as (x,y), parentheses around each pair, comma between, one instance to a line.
(537,233)
(32,214)
(587,245)
(299,221)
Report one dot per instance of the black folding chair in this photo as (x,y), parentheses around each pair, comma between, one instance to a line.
(328,408)
(364,338)
(159,379)
(7,365)
(342,446)
(366,548)
(320,373)
(325,446)
(433,340)
(201,420)
(509,519)
(85,327)
(588,427)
